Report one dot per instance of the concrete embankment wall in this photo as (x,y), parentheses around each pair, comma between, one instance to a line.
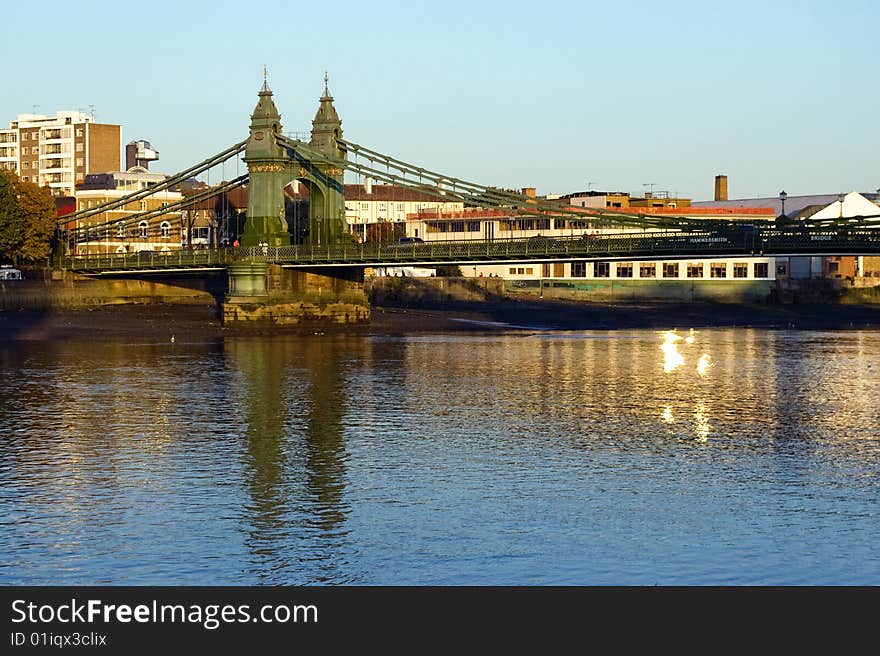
(67,291)
(434,292)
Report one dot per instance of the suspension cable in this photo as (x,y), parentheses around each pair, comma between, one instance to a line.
(149,191)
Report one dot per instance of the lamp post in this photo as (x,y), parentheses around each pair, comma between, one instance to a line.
(782,197)
(840,197)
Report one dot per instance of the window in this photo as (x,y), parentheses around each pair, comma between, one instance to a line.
(718,270)
(624,270)
(740,270)
(35,136)
(601,270)
(761,270)
(695,270)
(400,207)
(473,226)
(35,150)
(79,147)
(24,136)
(143,229)
(120,229)
(670,269)
(578,269)
(648,271)
(529,271)
(781,270)
(143,206)
(165,227)
(79,132)
(512,271)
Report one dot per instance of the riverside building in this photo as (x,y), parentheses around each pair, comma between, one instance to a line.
(59,151)
(108,232)
(728,278)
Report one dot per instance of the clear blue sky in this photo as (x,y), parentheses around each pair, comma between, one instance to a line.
(774,94)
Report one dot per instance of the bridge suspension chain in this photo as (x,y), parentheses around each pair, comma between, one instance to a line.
(182,204)
(140,194)
(492,197)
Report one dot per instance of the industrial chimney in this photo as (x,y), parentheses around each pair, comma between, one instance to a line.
(720,187)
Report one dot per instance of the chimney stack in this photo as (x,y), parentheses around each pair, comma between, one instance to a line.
(720,187)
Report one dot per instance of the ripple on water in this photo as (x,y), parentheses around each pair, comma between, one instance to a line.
(535,458)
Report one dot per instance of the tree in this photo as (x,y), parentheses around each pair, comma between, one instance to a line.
(27,219)
(11,226)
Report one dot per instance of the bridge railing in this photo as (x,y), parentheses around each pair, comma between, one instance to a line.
(151,260)
(660,244)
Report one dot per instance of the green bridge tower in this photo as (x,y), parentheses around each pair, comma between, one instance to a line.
(324,176)
(269,172)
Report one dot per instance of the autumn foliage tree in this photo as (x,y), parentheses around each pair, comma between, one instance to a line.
(27,220)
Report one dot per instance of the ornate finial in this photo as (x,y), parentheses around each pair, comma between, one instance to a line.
(265,80)
(326,81)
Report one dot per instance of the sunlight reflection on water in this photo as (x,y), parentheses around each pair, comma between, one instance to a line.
(639,457)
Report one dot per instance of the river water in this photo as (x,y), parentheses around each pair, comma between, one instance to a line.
(724,456)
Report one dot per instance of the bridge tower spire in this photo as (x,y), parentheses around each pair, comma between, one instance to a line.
(269,171)
(327,208)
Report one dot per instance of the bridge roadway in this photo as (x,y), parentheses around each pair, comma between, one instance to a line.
(631,246)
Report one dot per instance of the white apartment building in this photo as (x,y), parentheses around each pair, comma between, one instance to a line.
(58,151)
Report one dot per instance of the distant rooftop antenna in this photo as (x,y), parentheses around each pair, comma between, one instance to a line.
(92,109)
(589,186)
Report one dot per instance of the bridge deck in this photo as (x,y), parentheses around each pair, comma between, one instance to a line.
(666,245)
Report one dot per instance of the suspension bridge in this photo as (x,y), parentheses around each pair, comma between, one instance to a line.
(328,248)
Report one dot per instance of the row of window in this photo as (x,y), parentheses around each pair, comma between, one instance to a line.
(452,226)
(670,270)
(523,224)
(53,164)
(57,133)
(383,207)
(142,231)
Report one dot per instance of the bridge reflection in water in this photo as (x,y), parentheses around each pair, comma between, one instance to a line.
(528,457)
(292,401)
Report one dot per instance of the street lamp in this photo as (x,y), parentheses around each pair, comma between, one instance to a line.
(840,197)
(782,197)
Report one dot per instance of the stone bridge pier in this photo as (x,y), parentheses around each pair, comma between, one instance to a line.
(265,295)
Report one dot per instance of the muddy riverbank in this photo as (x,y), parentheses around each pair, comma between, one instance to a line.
(161,322)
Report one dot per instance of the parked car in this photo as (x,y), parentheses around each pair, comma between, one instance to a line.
(8,273)
(406,241)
